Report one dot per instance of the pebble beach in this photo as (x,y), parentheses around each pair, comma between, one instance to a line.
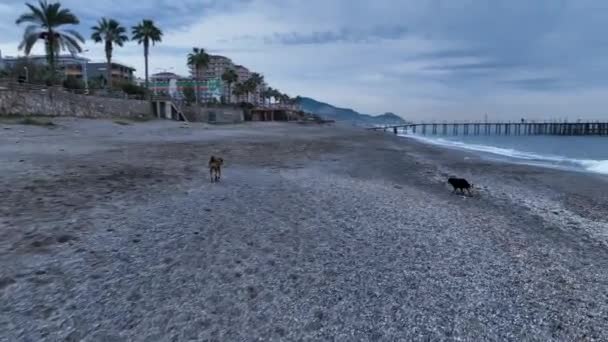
(113,232)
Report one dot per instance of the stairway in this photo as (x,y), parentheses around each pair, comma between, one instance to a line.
(166,108)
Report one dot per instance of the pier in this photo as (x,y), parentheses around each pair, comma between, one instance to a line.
(501,128)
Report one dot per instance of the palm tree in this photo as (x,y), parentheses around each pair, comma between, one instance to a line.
(249,87)
(255,81)
(45,24)
(198,59)
(144,33)
(110,32)
(230,76)
(276,94)
(268,93)
(239,90)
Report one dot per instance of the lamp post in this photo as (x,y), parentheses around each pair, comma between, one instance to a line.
(27,74)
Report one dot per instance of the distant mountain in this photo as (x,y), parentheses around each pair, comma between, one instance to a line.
(330,112)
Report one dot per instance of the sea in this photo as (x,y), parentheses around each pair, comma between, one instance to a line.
(578,153)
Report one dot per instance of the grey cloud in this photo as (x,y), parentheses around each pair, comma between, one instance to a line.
(348,35)
(477,66)
(536,84)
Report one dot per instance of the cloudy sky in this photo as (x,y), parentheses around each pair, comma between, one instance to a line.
(422,59)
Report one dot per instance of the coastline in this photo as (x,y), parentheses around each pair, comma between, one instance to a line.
(561,196)
(516,156)
(324,232)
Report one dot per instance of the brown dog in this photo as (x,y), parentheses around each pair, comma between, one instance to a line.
(215,168)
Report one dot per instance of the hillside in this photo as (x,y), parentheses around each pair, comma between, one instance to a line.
(330,112)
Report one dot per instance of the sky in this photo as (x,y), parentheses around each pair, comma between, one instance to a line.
(427,60)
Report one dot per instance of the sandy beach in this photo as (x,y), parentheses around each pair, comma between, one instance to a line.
(113,232)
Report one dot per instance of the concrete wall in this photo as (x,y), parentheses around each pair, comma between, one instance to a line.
(220,115)
(60,103)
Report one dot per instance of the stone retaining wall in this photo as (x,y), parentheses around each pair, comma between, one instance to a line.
(60,103)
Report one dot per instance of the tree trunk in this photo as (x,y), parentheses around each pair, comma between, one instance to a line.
(196,85)
(146,46)
(50,41)
(109,65)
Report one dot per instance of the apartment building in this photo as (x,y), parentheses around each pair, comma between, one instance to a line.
(120,72)
(77,67)
(212,76)
(168,83)
(68,65)
(243,73)
(213,86)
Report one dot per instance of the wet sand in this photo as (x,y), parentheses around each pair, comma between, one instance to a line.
(114,233)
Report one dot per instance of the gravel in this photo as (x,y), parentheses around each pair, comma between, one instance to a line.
(315,233)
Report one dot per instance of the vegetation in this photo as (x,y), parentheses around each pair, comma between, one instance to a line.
(97,82)
(45,24)
(110,32)
(132,89)
(267,94)
(145,33)
(198,59)
(189,94)
(36,122)
(230,77)
(27,71)
(251,85)
(239,90)
(73,83)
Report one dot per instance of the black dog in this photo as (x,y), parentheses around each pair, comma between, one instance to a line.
(460,184)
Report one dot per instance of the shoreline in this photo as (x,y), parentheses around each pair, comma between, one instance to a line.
(114,231)
(513,156)
(560,196)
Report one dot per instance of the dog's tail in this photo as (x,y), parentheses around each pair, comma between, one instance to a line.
(212,159)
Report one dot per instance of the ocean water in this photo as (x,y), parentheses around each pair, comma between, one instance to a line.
(582,153)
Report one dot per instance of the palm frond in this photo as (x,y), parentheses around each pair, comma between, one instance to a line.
(28,42)
(75,34)
(70,43)
(96,37)
(146,32)
(28,18)
(45,19)
(67,17)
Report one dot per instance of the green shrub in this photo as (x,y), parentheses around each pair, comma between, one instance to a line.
(189,94)
(73,83)
(132,89)
(36,122)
